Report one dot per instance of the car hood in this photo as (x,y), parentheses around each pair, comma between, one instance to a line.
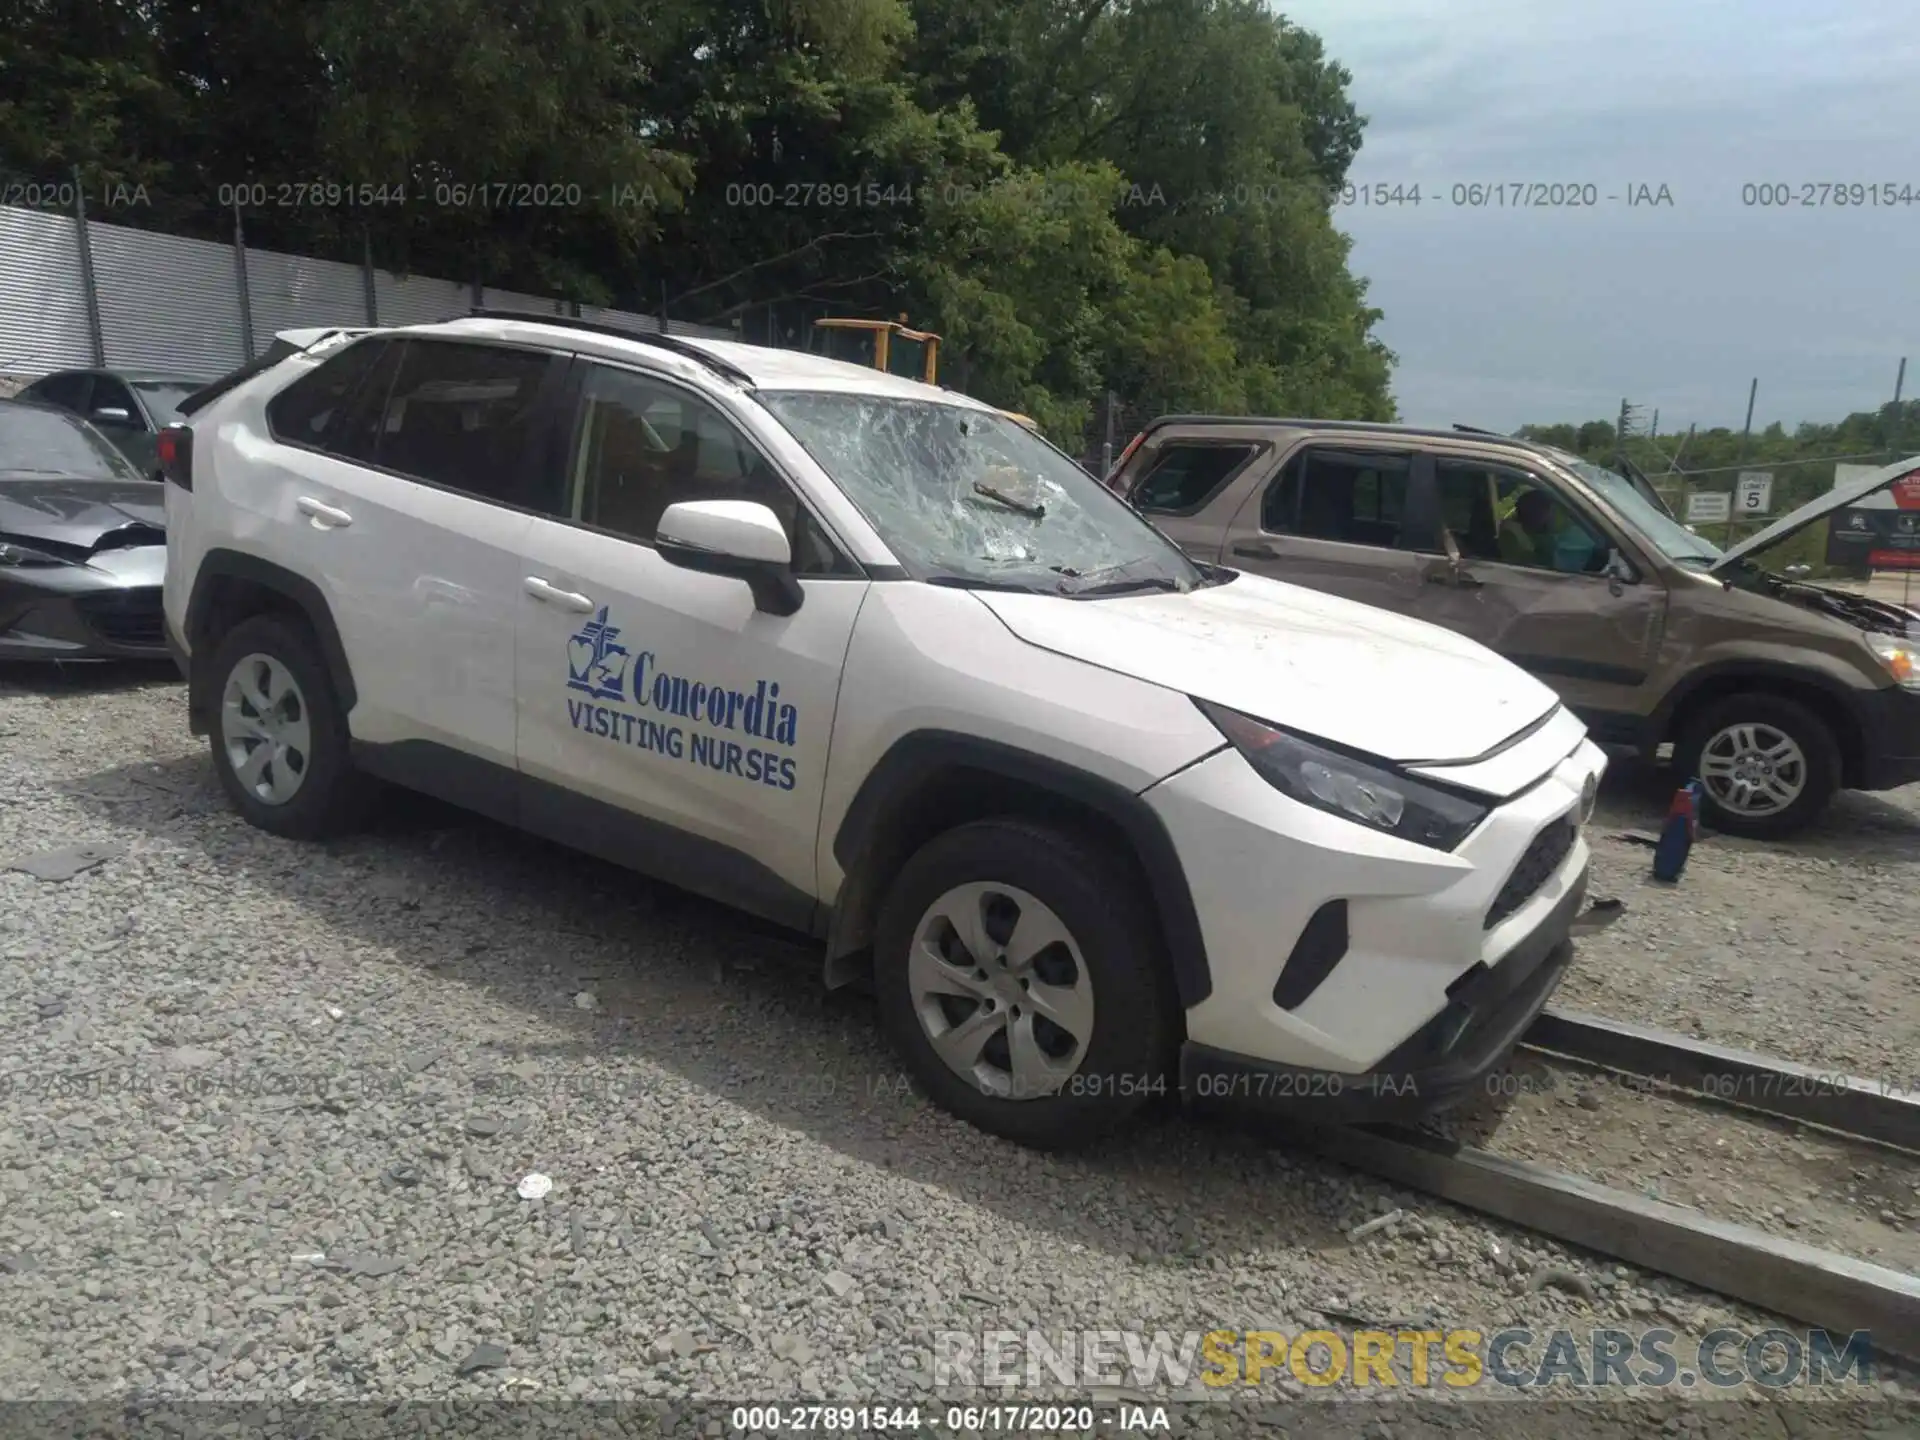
(76,511)
(1820,506)
(1334,669)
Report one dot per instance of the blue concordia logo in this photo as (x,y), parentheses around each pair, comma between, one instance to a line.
(594,663)
(648,700)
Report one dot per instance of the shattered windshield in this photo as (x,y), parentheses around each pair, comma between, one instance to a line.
(1675,540)
(968,497)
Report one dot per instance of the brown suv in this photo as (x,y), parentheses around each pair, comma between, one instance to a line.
(1774,692)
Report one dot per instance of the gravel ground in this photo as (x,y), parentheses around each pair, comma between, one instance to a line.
(270,1105)
(1807,949)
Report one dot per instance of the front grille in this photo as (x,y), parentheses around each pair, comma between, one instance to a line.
(132,618)
(1541,859)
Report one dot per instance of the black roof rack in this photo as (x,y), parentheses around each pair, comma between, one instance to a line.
(662,342)
(1479,430)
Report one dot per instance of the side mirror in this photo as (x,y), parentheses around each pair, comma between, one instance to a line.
(111,415)
(741,538)
(1619,571)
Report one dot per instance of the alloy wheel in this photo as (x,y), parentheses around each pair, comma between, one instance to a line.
(1753,770)
(1001,990)
(265,729)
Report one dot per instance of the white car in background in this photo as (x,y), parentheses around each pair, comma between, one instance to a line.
(864,656)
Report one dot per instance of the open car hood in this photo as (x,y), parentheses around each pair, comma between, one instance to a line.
(1326,667)
(1818,508)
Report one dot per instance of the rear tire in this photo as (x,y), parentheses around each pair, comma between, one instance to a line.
(1053,1044)
(279,738)
(1768,765)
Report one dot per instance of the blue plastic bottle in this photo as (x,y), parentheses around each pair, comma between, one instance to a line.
(1677,835)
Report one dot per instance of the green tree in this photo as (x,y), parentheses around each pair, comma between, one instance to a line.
(1079,194)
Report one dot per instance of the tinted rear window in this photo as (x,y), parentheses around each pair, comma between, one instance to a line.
(303,413)
(1184,476)
(164,398)
(460,415)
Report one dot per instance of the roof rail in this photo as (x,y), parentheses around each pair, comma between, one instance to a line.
(662,342)
(1479,430)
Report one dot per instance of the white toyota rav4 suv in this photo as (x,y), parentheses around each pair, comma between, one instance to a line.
(868,658)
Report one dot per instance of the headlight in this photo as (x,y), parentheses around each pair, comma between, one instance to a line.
(21,556)
(1901,657)
(1366,792)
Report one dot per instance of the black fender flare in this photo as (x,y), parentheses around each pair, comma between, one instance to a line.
(866,842)
(1762,671)
(221,565)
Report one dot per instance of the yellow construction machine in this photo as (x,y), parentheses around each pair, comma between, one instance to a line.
(889,345)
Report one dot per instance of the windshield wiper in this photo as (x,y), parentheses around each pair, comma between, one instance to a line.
(1032,509)
(1122,587)
(983,582)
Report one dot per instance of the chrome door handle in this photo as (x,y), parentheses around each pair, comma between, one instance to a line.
(552,595)
(324,516)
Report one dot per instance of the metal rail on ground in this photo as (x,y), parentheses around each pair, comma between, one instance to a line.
(1886,1112)
(1813,1286)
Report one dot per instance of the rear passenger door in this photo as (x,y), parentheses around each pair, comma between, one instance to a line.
(407,493)
(1341,518)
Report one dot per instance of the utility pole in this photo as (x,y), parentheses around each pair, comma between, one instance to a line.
(1899,384)
(1622,429)
(1653,430)
(1746,434)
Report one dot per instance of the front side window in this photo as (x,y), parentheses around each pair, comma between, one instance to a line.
(460,415)
(642,444)
(969,497)
(1185,476)
(1355,497)
(1509,517)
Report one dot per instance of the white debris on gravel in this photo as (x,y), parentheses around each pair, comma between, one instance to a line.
(754,1206)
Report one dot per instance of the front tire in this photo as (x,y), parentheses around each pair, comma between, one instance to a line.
(279,738)
(1021,977)
(1768,765)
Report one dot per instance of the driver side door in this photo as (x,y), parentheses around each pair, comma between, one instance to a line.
(664,721)
(1548,606)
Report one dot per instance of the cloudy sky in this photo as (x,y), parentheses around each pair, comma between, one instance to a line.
(1502,316)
